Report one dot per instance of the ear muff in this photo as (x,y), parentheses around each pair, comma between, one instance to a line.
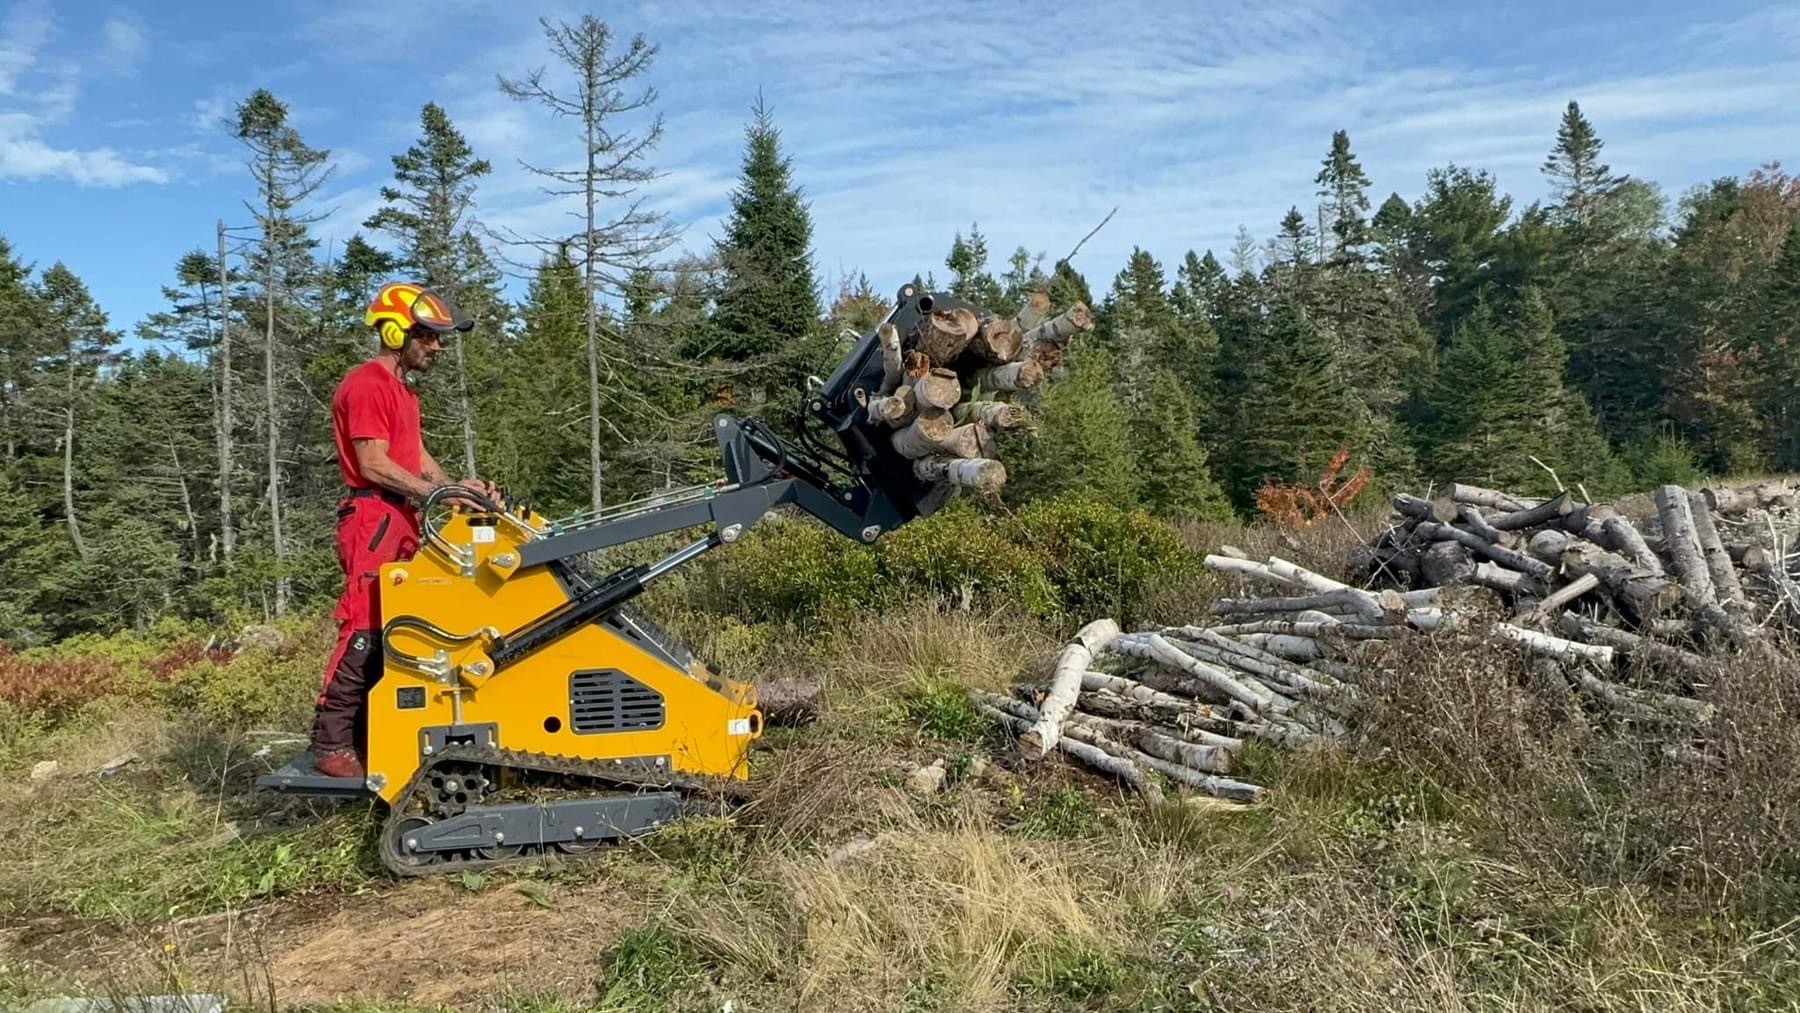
(392,335)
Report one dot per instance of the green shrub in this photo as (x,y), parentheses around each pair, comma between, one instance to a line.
(1662,459)
(1103,559)
(962,555)
(792,570)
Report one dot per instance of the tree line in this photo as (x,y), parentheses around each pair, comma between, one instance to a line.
(1603,335)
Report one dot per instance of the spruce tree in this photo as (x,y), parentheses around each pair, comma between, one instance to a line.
(1582,188)
(1296,410)
(81,343)
(429,213)
(970,279)
(1343,187)
(768,305)
(1173,477)
(1083,439)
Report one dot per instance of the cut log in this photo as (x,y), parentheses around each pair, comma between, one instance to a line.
(1440,510)
(1247,568)
(1493,575)
(1644,703)
(1753,558)
(1637,648)
(1060,328)
(943,334)
(1555,647)
(1161,651)
(1304,577)
(1682,544)
(1470,515)
(1322,630)
(1212,759)
(1036,308)
(895,409)
(1531,517)
(967,441)
(1553,605)
(1623,537)
(992,414)
(923,436)
(979,474)
(1010,376)
(1195,736)
(1489,498)
(1725,581)
(1118,766)
(1433,531)
(893,369)
(938,389)
(998,340)
(1763,495)
(1065,685)
(1446,564)
(1641,593)
(1376,609)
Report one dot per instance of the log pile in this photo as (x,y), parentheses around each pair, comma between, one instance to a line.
(1705,571)
(952,383)
(1177,703)
(1633,613)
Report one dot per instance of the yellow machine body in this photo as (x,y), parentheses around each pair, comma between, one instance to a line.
(556,700)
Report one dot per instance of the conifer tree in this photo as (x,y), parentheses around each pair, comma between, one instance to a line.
(970,279)
(618,233)
(80,345)
(428,212)
(1296,409)
(768,304)
(1582,188)
(1173,477)
(1083,439)
(287,172)
(1343,187)
(22,344)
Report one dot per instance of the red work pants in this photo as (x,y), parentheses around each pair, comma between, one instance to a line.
(371,530)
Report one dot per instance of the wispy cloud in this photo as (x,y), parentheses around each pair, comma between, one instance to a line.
(41,94)
(122,44)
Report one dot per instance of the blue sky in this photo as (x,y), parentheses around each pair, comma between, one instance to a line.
(1191,118)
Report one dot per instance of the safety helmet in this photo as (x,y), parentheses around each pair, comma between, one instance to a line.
(401,306)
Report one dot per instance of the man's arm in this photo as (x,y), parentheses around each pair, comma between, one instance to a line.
(433,472)
(373,462)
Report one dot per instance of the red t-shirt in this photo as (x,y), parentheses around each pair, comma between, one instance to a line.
(372,403)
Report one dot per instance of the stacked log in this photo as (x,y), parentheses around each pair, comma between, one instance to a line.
(1709,571)
(949,386)
(1176,704)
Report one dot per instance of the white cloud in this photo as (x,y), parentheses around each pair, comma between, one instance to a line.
(22,38)
(44,96)
(122,44)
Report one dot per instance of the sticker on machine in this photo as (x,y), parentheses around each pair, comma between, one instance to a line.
(482,535)
(738,726)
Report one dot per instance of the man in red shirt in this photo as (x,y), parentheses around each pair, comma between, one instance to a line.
(383,460)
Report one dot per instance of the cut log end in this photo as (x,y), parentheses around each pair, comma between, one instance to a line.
(981,475)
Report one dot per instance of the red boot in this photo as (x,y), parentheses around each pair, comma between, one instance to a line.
(339,763)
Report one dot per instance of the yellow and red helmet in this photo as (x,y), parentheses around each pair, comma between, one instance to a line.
(401,306)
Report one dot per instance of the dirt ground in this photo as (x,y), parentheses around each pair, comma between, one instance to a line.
(428,942)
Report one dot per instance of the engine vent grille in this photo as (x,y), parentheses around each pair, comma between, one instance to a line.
(608,700)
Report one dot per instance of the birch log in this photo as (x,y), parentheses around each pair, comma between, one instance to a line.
(1059,329)
(1010,376)
(893,410)
(893,368)
(1161,651)
(943,334)
(992,414)
(1065,685)
(923,436)
(1556,647)
(998,340)
(1434,531)
(938,389)
(1531,517)
(1118,766)
(1036,308)
(979,474)
(1489,498)
(1683,545)
(1623,537)
(1718,562)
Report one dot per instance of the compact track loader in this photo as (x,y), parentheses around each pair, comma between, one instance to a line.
(524,708)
